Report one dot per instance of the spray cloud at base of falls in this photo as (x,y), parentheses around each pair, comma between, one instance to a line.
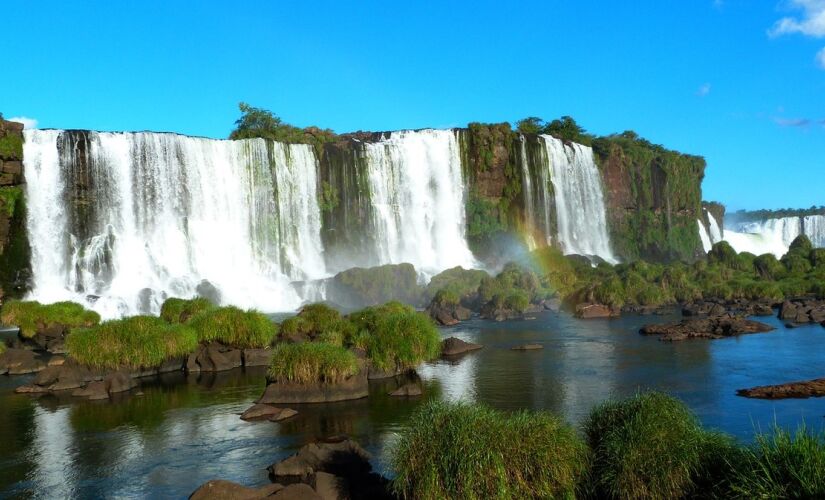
(775,235)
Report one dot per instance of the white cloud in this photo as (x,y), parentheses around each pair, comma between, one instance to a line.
(811,22)
(820,58)
(26,121)
(703,90)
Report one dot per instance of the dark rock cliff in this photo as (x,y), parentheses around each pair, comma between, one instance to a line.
(14,245)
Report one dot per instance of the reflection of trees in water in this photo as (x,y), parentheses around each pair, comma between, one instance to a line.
(16,436)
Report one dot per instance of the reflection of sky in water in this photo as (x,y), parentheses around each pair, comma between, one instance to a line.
(178,435)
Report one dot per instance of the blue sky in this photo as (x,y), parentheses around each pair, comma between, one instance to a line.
(740,82)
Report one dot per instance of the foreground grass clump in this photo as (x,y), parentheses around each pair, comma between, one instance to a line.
(782,465)
(458,450)
(319,322)
(32,315)
(175,310)
(396,337)
(139,341)
(234,327)
(311,362)
(647,446)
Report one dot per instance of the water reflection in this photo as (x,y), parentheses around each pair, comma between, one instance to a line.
(182,431)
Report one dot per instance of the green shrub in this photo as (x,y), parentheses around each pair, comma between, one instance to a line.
(319,322)
(781,465)
(647,446)
(722,253)
(175,310)
(234,327)
(517,300)
(817,257)
(796,264)
(446,297)
(139,341)
(719,291)
(802,245)
(311,362)
(401,339)
(295,326)
(768,267)
(610,292)
(463,451)
(461,281)
(11,147)
(31,316)
(794,287)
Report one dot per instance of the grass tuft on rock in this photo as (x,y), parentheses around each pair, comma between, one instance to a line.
(139,341)
(397,337)
(234,327)
(311,362)
(647,446)
(458,450)
(31,315)
(783,465)
(175,310)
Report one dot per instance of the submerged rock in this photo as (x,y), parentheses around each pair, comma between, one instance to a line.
(527,347)
(707,328)
(267,412)
(220,489)
(799,390)
(454,346)
(592,311)
(407,390)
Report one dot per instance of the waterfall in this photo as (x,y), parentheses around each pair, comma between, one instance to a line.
(579,200)
(707,244)
(715,230)
(120,221)
(775,235)
(527,188)
(814,227)
(417,198)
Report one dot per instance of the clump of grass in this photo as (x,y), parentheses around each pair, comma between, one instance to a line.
(311,362)
(175,310)
(459,450)
(319,322)
(234,327)
(398,337)
(647,446)
(2,347)
(139,341)
(31,316)
(783,465)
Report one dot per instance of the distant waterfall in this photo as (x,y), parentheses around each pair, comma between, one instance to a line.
(775,235)
(707,244)
(417,197)
(710,234)
(579,200)
(122,220)
(715,230)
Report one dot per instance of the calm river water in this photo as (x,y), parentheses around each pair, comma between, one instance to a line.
(184,431)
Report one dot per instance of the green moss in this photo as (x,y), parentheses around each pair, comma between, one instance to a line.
(374,285)
(175,310)
(329,197)
(30,316)
(11,147)
(311,362)
(136,342)
(458,450)
(234,327)
(9,199)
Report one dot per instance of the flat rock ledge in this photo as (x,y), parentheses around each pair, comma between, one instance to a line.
(792,390)
(455,347)
(707,328)
(20,362)
(355,387)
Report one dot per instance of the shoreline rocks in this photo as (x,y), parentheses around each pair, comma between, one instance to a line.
(594,310)
(707,328)
(448,314)
(802,311)
(20,362)
(267,412)
(792,390)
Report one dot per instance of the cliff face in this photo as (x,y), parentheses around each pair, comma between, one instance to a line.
(653,198)
(14,245)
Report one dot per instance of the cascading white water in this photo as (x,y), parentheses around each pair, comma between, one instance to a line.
(159,213)
(715,230)
(580,208)
(527,188)
(417,196)
(707,244)
(775,235)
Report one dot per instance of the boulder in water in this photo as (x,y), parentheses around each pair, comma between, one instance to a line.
(227,490)
(707,328)
(454,346)
(797,390)
(593,310)
(355,387)
(20,362)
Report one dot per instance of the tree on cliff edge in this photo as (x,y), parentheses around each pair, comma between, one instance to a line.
(257,122)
